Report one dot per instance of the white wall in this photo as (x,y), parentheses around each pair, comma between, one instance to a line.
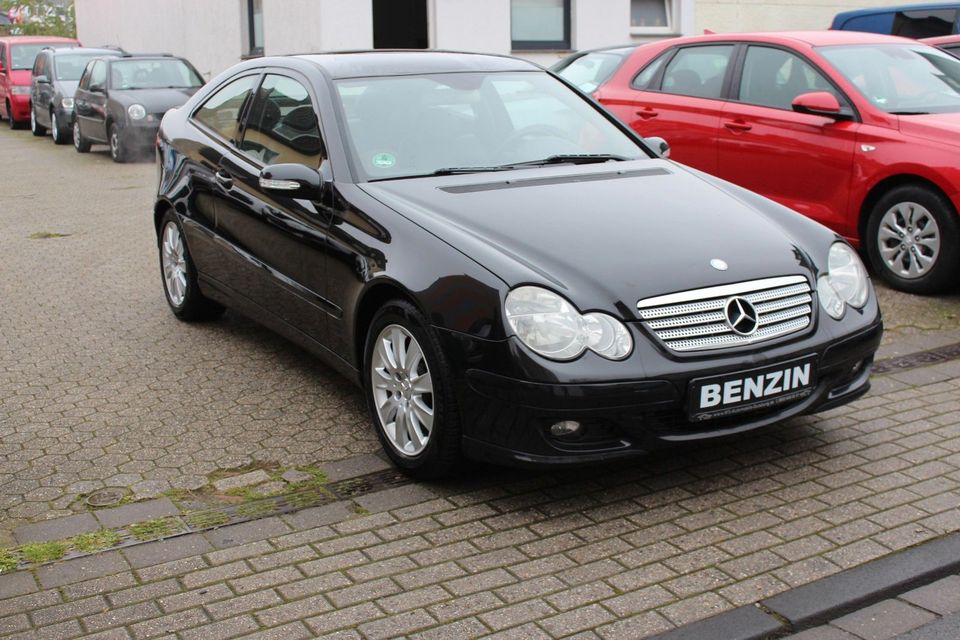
(208,33)
(731,16)
(312,26)
(468,25)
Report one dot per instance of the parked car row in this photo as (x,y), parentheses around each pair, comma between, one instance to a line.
(857,131)
(91,95)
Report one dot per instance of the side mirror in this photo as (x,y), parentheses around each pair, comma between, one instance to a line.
(660,146)
(95,88)
(292,180)
(42,79)
(819,103)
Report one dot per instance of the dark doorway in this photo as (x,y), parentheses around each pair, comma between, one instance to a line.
(400,24)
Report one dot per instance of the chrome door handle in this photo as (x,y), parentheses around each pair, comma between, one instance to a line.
(223,179)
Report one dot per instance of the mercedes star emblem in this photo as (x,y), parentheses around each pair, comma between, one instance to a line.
(741,315)
(718,264)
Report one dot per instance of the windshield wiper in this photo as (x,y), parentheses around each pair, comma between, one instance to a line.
(450,171)
(910,113)
(572,158)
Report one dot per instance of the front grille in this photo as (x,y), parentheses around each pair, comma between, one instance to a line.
(696,320)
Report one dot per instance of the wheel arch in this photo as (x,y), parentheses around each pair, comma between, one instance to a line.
(372,299)
(888,184)
(160,209)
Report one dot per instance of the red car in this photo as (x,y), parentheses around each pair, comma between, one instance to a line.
(858,131)
(17,54)
(950,43)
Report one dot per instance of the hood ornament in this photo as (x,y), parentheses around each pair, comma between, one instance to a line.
(719,264)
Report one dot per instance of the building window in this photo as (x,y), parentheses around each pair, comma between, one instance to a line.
(540,24)
(255,26)
(651,16)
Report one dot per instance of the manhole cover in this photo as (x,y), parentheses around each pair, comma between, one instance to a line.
(105,497)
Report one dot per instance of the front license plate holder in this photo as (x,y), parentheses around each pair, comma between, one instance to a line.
(741,391)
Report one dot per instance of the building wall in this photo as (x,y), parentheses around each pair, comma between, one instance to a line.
(468,25)
(209,33)
(301,26)
(731,16)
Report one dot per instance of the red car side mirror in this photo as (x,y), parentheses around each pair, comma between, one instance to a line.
(818,103)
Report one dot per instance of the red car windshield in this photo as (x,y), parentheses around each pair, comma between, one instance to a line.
(903,79)
(22,56)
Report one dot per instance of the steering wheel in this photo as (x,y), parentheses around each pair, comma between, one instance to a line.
(532,131)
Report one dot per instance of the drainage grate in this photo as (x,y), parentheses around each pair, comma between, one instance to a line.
(918,359)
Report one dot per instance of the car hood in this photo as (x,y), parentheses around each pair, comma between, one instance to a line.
(939,127)
(154,100)
(68,87)
(604,235)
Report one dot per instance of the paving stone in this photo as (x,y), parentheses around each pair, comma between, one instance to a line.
(345,617)
(161,551)
(354,466)
(195,598)
(240,481)
(568,623)
(74,609)
(169,624)
(246,532)
(825,632)
(265,579)
(221,630)
(395,498)
(56,529)
(400,624)
(121,616)
(942,596)
(136,512)
(17,584)
(313,517)
(884,620)
(81,569)
(517,614)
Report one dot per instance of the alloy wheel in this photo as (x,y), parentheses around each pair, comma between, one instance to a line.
(114,143)
(76,135)
(55,127)
(909,240)
(402,390)
(174,261)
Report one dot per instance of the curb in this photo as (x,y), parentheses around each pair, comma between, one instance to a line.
(819,601)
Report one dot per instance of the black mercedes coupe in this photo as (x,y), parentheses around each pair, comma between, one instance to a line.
(507,271)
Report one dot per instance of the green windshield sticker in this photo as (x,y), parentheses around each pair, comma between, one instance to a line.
(384,160)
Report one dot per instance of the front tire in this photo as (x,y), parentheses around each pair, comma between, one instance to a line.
(81,144)
(407,388)
(180,276)
(913,239)
(13,124)
(35,127)
(117,149)
(61,134)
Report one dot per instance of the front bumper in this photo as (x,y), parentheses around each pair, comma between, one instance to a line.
(141,135)
(20,106)
(506,417)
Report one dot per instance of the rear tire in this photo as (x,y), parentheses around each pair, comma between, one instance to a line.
(36,128)
(81,144)
(913,239)
(407,384)
(179,276)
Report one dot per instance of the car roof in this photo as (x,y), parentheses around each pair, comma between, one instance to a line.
(355,64)
(811,38)
(34,39)
(96,51)
(953,39)
(853,13)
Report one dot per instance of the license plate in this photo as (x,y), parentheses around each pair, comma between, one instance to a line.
(732,393)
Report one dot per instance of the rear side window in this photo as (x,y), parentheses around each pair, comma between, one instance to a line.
(283,126)
(40,65)
(697,71)
(222,111)
(645,78)
(774,77)
(926,23)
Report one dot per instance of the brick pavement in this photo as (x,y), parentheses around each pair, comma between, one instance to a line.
(617,552)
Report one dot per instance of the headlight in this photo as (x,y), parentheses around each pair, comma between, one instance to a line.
(136,112)
(20,91)
(844,283)
(67,103)
(551,326)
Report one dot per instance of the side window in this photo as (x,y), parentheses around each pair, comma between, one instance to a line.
(98,76)
(698,71)
(924,24)
(222,111)
(645,77)
(283,126)
(3,55)
(774,77)
(39,65)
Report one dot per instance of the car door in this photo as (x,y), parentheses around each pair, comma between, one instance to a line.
(800,160)
(278,242)
(679,97)
(41,88)
(91,100)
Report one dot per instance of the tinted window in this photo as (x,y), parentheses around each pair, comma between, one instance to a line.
(924,24)
(22,56)
(222,111)
(40,65)
(70,67)
(591,70)
(646,77)
(774,77)
(697,71)
(98,76)
(282,125)
(152,74)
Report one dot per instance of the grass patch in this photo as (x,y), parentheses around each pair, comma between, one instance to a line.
(8,560)
(206,519)
(40,552)
(46,235)
(360,511)
(96,541)
(153,529)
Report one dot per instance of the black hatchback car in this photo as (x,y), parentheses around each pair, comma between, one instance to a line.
(56,74)
(121,99)
(506,270)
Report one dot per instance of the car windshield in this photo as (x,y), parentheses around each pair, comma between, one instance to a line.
(70,67)
(152,74)
(22,56)
(404,126)
(903,79)
(591,70)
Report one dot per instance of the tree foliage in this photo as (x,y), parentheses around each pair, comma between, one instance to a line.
(40,17)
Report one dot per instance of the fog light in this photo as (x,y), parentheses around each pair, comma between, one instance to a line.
(564,428)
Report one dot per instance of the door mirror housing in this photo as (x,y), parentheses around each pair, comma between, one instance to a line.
(42,79)
(660,146)
(292,180)
(95,88)
(819,103)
